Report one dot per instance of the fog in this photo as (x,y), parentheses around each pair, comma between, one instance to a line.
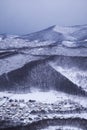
(26,16)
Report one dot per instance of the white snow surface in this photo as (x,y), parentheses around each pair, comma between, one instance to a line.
(64,30)
(85,40)
(77,76)
(69,44)
(45,97)
(61,128)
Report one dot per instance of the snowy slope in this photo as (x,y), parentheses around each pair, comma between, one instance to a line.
(43,79)
(58,34)
(17,52)
(74,36)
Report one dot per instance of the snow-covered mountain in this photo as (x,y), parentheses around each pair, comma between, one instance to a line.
(74,36)
(57,34)
(53,62)
(65,45)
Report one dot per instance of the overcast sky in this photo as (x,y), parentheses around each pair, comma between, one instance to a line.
(26,16)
